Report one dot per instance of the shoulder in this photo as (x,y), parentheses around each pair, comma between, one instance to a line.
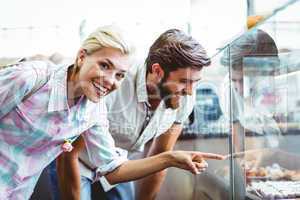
(33,68)
(22,73)
(23,77)
(39,67)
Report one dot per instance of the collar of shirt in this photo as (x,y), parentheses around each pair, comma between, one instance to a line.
(58,95)
(140,84)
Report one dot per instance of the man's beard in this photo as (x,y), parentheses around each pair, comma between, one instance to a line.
(166,95)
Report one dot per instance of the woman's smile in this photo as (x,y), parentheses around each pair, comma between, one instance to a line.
(101,91)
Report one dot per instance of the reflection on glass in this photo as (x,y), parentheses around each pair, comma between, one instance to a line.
(248,106)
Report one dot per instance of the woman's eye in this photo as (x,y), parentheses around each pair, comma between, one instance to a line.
(104,66)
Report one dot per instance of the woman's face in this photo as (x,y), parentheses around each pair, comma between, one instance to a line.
(101,72)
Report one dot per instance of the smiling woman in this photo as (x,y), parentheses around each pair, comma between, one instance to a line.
(44,107)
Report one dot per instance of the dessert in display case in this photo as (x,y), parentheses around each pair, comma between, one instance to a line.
(268,173)
(276,176)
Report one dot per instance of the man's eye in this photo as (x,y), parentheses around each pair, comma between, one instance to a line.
(120,75)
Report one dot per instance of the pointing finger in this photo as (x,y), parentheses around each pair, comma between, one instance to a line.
(210,156)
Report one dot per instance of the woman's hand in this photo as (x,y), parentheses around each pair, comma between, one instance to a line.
(193,161)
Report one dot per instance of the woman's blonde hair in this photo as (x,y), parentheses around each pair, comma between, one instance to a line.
(110,36)
(107,36)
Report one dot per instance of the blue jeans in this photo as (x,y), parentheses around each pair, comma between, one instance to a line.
(53,182)
(85,184)
(123,191)
(85,189)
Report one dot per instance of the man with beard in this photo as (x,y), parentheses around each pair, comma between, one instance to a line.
(147,113)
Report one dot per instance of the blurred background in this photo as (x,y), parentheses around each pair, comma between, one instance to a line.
(44,27)
(270,123)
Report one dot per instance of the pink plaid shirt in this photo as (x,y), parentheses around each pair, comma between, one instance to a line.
(32,131)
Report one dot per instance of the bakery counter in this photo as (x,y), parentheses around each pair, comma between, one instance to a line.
(215,184)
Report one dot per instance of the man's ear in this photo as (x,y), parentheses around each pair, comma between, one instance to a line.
(157,71)
(80,56)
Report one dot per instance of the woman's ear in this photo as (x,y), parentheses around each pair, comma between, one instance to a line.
(157,71)
(81,56)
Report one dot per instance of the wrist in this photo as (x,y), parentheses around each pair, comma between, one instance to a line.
(168,159)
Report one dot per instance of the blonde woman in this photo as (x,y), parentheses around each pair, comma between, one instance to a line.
(44,107)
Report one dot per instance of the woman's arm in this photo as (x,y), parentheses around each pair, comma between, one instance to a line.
(102,153)
(68,172)
(135,169)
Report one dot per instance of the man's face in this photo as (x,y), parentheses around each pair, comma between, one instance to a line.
(178,83)
(238,82)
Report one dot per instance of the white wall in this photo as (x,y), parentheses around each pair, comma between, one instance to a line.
(31,26)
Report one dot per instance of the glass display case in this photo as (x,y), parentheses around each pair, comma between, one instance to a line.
(248,106)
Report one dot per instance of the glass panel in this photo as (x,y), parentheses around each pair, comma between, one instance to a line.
(248,106)
(265,78)
(266,7)
(209,130)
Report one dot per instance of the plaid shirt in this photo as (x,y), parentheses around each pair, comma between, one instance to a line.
(33,130)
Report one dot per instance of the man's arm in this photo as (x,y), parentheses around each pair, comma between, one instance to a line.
(150,185)
(69,173)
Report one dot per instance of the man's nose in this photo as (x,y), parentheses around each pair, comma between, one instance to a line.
(188,90)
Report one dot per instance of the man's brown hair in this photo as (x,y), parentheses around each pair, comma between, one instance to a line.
(174,49)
